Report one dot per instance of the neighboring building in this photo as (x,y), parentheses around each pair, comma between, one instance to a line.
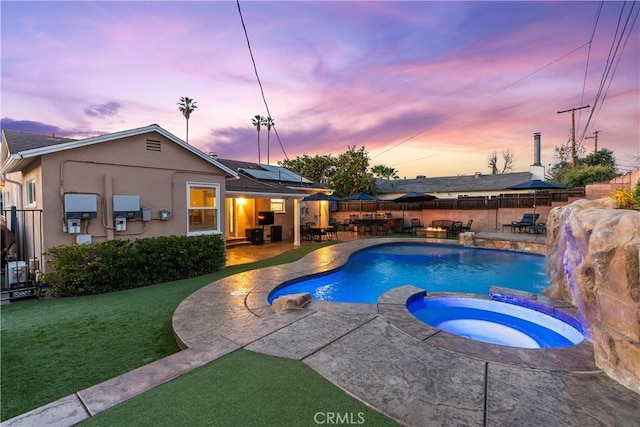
(452,187)
(141,182)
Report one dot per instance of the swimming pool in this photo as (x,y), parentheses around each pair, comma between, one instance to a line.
(436,268)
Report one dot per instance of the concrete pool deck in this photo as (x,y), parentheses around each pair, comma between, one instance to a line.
(378,353)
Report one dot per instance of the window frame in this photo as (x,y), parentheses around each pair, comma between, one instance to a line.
(30,194)
(282,202)
(216,207)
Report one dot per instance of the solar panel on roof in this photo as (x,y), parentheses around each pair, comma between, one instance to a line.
(275,173)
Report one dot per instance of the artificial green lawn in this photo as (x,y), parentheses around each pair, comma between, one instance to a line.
(243,389)
(52,348)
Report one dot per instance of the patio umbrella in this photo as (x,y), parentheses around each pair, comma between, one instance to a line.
(360,197)
(535,185)
(414,197)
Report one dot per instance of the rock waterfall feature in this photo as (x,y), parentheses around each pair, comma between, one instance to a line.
(593,261)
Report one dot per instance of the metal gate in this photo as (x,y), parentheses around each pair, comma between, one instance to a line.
(21,244)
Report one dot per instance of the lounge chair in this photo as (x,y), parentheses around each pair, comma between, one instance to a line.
(540,228)
(527,220)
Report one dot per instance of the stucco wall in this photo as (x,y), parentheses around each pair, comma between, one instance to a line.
(483,220)
(129,168)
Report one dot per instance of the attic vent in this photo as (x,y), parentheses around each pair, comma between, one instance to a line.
(153,145)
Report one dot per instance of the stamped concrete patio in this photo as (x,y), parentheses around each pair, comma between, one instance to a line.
(379,353)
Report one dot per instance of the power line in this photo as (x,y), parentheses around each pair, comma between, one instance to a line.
(586,68)
(255,69)
(481,100)
(615,54)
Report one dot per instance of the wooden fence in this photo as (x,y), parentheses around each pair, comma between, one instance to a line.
(502,201)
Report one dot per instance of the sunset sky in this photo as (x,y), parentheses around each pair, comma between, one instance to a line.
(429,88)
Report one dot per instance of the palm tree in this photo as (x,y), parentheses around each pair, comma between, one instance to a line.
(386,172)
(269,123)
(186,107)
(257,122)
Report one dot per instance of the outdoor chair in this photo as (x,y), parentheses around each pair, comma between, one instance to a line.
(305,232)
(467,227)
(415,223)
(527,220)
(332,232)
(344,226)
(539,228)
(454,230)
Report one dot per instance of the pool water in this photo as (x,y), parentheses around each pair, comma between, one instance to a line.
(436,268)
(496,322)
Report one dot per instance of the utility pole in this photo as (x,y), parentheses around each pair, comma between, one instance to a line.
(573,131)
(594,137)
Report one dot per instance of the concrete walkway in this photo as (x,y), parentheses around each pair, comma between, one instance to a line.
(379,353)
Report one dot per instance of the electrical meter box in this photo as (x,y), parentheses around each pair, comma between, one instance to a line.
(73,226)
(126,207)
(15,273)
(80,206)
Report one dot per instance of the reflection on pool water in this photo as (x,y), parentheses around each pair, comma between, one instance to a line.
(436,268)
(496,322)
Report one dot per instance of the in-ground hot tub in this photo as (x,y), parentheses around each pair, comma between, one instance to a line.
(513,322)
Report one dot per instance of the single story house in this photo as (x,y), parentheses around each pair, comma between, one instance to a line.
(141,182)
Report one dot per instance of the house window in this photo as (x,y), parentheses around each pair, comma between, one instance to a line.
(277,205)
(30,190)
(202,207)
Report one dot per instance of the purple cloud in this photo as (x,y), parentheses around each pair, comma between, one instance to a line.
(103,111)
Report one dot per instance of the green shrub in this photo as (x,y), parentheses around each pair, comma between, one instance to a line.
(74,270)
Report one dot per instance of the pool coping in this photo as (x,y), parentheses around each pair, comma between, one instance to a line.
(254,288)
(392,305)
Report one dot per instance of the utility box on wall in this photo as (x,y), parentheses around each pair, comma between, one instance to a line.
(126,206)
(80,206)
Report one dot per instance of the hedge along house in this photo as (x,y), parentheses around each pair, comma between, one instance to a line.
(142,182)
(262,189)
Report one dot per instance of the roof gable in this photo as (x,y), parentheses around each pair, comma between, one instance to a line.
(21,151)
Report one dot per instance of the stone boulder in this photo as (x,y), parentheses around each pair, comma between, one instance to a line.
(291,302)
(593,261)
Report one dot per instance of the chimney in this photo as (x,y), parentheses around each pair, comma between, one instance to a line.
(536,149)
